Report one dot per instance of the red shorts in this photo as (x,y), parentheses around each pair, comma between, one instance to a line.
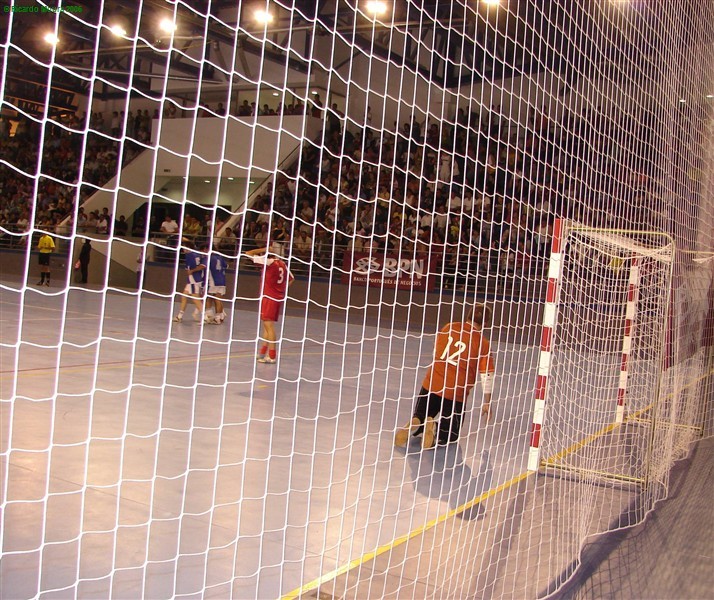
(270,309)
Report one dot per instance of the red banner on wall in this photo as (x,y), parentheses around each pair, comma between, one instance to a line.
(388,271)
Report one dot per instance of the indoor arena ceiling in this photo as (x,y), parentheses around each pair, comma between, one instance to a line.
(450,43)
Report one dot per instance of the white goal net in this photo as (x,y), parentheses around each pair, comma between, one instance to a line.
(178,421)
(603,352)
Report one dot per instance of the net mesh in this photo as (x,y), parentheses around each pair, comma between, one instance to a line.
(405,165)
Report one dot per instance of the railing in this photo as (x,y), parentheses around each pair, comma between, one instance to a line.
(507,271)
(14,236)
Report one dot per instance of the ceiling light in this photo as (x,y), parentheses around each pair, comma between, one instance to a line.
(263,17)
(51,38)
(710,95)
(376,7)
(118,30)
(682,100)
(167,25)
(491,2)
(276,94)
(206,181)
(231,178)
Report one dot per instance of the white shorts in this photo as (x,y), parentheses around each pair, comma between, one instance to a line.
(193,289)
(216,290)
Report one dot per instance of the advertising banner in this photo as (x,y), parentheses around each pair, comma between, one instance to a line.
(388,271)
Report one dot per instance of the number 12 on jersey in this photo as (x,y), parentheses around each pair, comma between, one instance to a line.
(453,351)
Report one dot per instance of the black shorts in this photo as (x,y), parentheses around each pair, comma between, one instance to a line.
(447,413)
(44,259)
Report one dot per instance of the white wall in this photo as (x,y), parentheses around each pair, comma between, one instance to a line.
(234,147)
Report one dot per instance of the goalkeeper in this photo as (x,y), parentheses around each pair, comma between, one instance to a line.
(461,354)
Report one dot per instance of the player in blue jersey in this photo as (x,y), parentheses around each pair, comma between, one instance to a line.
(195,274)
(217,266)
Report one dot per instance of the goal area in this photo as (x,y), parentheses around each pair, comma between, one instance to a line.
(231,232)
(602,352)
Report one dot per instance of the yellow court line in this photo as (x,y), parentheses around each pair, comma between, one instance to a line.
(402,539)
(612,426)
(296,593)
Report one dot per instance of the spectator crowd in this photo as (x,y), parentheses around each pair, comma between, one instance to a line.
(473,194)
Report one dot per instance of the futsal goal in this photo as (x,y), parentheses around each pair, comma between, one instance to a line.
(603,352)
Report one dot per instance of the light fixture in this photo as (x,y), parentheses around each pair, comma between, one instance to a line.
(118,30)
(206,181)
(491,2)
(376,7)
(710,95)
(276,94)
(263,17)
(167,25)
(314,93)
(231,178)
(51,38)
(682,100)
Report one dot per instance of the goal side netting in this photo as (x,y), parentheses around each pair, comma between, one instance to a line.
(602,351)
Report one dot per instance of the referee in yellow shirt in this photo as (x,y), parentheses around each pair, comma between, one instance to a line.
(46,247)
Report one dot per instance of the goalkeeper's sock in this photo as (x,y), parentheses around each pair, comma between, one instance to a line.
(263,350)
(273,354)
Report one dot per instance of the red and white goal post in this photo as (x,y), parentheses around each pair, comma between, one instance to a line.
(602,350)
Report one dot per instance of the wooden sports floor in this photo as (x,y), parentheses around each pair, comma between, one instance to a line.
(145,458)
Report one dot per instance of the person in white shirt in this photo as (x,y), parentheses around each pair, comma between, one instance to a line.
(455,202)
(102,225)
(467,204)
(440,219)
(302,246)
(169,225)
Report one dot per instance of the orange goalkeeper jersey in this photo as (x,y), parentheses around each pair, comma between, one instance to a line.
(461,353)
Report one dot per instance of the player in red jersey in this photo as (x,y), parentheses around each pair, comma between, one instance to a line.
(276,279)
(461,354)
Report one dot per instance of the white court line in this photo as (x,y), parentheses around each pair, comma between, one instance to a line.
(152,362)
(83,315)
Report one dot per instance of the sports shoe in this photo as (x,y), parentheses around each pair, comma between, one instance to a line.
(267,360)
(178,318)
(47,283)
(402,436)
(40,283)
(429,433)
